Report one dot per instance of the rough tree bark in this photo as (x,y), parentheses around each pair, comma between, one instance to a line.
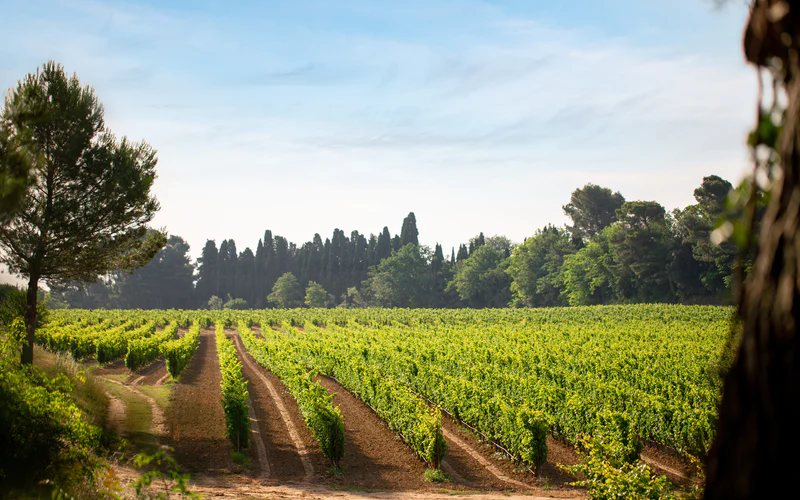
(30,319)
(755,451)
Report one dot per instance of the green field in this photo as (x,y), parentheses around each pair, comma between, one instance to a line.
(638,371)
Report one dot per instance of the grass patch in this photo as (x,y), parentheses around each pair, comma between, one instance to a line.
(87,391)
(160,393)
(435,476)
(138,416)
(240,458)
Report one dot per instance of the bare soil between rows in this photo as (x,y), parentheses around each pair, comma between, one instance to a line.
(377,463)
(195,419)
(285,462)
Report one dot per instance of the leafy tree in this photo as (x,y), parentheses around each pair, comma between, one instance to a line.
(353,298)
(316,296)
(693,227)
(15,156)
(215,303)
(89,201)
(402,280)
(235,303)
(166,282)
(481,280)
(78,294)
(476,243)
(287,292)
(588,274)
(592,208)
(641,248)
(13,303)
(535,267)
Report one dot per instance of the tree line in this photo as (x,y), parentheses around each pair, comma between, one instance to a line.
(614,251)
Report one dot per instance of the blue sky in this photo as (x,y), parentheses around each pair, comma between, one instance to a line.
(302,116)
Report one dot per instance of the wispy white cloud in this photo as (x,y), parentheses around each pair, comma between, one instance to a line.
(261,122)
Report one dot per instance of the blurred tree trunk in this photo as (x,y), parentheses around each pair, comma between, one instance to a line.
(755,451)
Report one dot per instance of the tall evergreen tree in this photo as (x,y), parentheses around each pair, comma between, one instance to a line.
(89,200)
(245,276)
(384,245)
(227,268)
(409,232)
(463,253)
(207,274)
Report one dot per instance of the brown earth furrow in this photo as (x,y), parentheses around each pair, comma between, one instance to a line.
(257,439)
(196,421)
(117,414)
(374,456)
(291,450)
(453,439)
(150,374)
(505,473)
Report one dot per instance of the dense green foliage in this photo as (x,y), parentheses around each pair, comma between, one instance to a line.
(481,279)
(609,474)
(401,280)
(287,292)
(404,412)
(234,390)
(44,434)
(614,252)
(316,296)
(88,203)
(633,374)
(178,352)
(143,351)
(113,344)
(316,405)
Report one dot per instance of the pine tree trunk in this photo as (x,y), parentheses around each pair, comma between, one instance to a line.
(30,319)
(754,454)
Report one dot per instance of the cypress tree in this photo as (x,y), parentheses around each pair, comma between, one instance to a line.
(409,233)
(463,253)
(383,248)
(208,273)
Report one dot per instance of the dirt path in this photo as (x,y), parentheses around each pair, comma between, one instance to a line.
(195,417)
(117,414)
(150,374)
(244,487)
(158,424)
(374,456)
(474,469)
(291,451)
(504,473)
